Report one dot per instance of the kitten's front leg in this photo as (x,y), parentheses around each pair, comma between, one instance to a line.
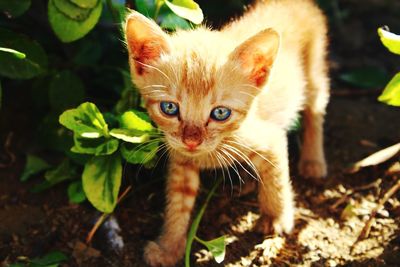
(182,187)
(275,194)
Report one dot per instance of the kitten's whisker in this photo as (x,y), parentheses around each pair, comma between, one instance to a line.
(224,163)
(155,68)
(233,161)
(155,86)
(254,151)
(245,159)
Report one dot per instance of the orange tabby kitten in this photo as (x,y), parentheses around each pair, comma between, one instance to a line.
(228,97)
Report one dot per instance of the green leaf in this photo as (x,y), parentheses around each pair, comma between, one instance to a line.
(366,77)
(390,40)
(14,67)
(391,94)
(130,135)
(71,10)
(101,181)
(98,146)
(146,7)
(85,120)
(173,22)
(85,3)
(69,30)
(14,8)
(75,192)
(49,259)
(216,247)
(66,91)
(196,222)
(136,120)
(14,52)
(33,166)
(187,9)
(139,154)
(62,172)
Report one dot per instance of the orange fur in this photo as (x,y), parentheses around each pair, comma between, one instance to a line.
(266,67)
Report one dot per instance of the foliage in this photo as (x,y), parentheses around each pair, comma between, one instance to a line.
(391,93)
(215,246)
(60,77)
(52,259)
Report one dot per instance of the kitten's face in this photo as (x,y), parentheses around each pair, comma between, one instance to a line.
(195,98)
(194,102)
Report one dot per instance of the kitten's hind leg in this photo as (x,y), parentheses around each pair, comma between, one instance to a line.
(312,160)
(182,187)
(275,194)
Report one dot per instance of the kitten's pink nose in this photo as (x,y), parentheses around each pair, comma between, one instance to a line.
(192,144)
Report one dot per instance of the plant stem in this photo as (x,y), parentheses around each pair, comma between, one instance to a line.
(196,222)
(114,12)
(158,7)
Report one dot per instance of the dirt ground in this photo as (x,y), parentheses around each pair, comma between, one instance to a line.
(325,231)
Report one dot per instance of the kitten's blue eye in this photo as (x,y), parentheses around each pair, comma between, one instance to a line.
(220,113)
(169,108)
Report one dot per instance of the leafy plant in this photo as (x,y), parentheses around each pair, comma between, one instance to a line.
(391,93)
(52,259)
(215,246)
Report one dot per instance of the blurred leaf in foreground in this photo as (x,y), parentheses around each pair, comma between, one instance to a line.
(366,77)
(390,40)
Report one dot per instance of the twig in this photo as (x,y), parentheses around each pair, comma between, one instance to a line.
(9,153)
(344,198)
(104,216)
(367,227)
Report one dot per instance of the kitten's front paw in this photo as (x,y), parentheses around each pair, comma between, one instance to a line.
(268,226)
(313,168)
(156,256)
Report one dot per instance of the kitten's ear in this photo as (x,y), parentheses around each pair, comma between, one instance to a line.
(257,54)
(146,41)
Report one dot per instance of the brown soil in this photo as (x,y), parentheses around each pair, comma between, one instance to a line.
(356,126)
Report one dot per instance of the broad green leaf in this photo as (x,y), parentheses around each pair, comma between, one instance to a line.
(62,172)
(33,166)
(187,9)
(390,40)
(85,120)
(391,94)
(69,30)
(173,22)
(139,154)
(146,7)
(66,91)
(130,135)
(49,259)
(216,247)
(14,67)
(136,120)
(71,10)
(14,8)
(85,3)
(75,192)
(14,52)
(98,146)
(366,77)
(101,180)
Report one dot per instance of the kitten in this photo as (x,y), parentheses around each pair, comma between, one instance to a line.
(229,96)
